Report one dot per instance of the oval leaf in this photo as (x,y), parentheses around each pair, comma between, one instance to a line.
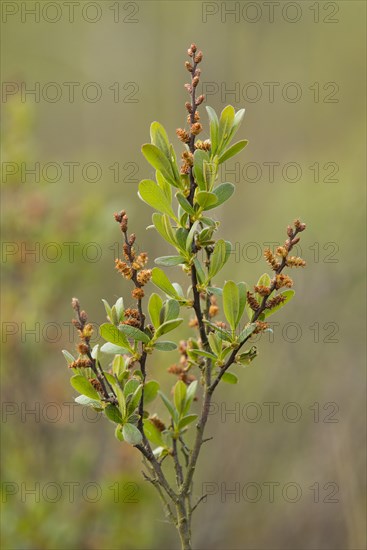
(134,333)
(223,192)
(88,402)
(83,386)
(112,334)
(153,195)
(233,150)
(230,378)
(170,261)
(154,308)
(222,250)
(159,138)
(165,346)
(231,303)
(113,414)
(159,161)
(131,434)
(288,294)
(151,390)
(152,433)
(168,326)
(160,279)
(206,200)
(179,395)
(113,349)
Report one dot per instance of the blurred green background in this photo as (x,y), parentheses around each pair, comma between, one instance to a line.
(315,362)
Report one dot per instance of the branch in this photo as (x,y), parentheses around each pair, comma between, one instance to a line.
(292,237)
(178,467)
(148,454)
(166,505)
(198,502)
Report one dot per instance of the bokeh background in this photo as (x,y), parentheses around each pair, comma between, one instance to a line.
(312,372)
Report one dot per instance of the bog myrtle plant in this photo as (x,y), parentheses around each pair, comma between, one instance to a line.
(115,378)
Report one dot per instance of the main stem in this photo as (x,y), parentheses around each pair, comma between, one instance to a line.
(181,499)
(183,526)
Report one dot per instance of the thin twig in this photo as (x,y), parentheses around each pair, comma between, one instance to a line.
(198,502)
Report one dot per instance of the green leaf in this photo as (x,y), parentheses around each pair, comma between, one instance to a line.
(186,420)
(202,353)
(159,138)
(168,405)
(159,161)
(246,357)
(181,238)
(171,310)
(151,389)
(185,204)
(163,226)
(113,414)
(224,334)
(232,151)
(88,402)
(134,419)
(152,433)
(83,386)
(118,366)
(215,290)
(160,279)
(199,271)
(288,296)
(131,386)
(209,222)
(247,331)
(190,394)
(237,123)
(112,334)
(168,326)
(223,192)
(119,306)
(153,195)
(206,200)
(179,395)
(191,235)
(134,333)
(164,185)
(230,378)
(110,378)
(131,434)
(222,250)
(108,309)
(176,174)
(215,343)
(114,318)
(231,303)
(242,294)
(133,403)
(165,346)
(214,128)
(113,349)
(180,294)
(118,433)
(69,358)
(170,261)
(210,174)
(225,126)
(205,237)
(154,307)
(121,399)
(264,280)
(200,157)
